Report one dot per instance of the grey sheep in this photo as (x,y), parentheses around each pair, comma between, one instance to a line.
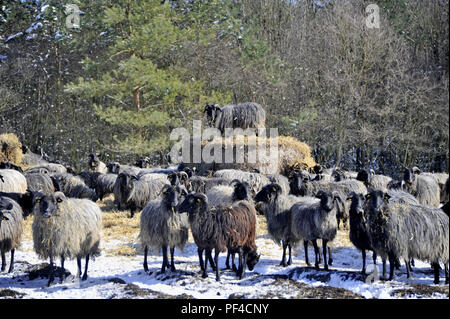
(242,115)
(255,180)
(133,192)
(315,219)
(374,181)
(424,188)
(162,228)
(66,228)
(73,186)
(281,180)
(441,179)
(407,231)
(277,210)
(105,185)
(49,167)
(11,229)
(200,184)
(12,181)
(39,182)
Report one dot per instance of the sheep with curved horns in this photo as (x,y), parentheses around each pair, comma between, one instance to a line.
(409,231)
(314,219)
(242,115)
(12,181)
(66,228)
(277,210)
(424,188)
(221,228)
(11,229)
(134,192)
(161,228)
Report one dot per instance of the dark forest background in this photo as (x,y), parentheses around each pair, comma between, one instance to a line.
(135,70)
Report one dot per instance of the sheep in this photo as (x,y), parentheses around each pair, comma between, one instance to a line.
(134,192)
(25,201)
(162,228)
(12,181)
(73,186)
(276,208)
(314,219)
(96,165)
(49,167)
(9,165)
(441,179)
(105,185)
(200,184)
(66,228)
(424,187)
(242,115)
(410,231)
(255,180)
(39,182)
(445,198)
(281,180)
(221,228)
(143,162)
(11,229)
(372,180)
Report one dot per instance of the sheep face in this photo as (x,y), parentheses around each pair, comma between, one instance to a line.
(295,183)
(363,176)
(327,200)
(5,207)
(211,110)
(357,205)
(193,204)
(93,161)
(338,175)
(170,196)
(409,175)
(375,200)
(252,259)
(113,167)
(143,162)
(47,205)
(268,193)
(241,190)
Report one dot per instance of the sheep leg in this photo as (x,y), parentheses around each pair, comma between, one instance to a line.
(290,254)
(324,247)
(316,253)
(283,258)
(205,275)
(200,258)
(51,277)
(227,262)
(241,268)
(216,261)
(145,259)
(78,268)
(392,264)
(63,275)
(211,261)
(408,268)
(165,261)
(330,256)
(305,245)
(436,269)
(11,265)
(3,261)
(446,274)
(85,268)
(172,262)
(363,271)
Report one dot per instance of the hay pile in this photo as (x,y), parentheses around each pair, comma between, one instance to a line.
(11,149)
(292,154)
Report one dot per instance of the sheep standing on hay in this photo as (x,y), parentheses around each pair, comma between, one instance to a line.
(10,229)
(221,228)
(277,210)
(66,228)
(242,115)
(134,192)
(315,219)
(424,187)
(12,181)
(410,231)
(162,228)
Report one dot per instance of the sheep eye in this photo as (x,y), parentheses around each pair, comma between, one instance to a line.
(367,196)
(38,200)
(59,200)
(198,200)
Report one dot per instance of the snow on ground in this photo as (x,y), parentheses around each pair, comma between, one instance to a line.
(115,276)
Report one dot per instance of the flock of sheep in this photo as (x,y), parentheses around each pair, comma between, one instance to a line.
(393,219)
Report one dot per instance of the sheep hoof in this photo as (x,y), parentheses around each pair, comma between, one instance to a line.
(204,275)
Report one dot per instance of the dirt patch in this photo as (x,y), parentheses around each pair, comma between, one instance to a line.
(420,291)
(133,290)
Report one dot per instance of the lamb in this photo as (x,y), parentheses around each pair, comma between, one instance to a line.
(66,228)
(39,182)
(221,228)
(162,228)
(410,231)
(134,192)
(315,219)
(73,186)
(11,229)
(242,115)
(12,181)
(96,165)
(424,187)
(255,180)
(277,210)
